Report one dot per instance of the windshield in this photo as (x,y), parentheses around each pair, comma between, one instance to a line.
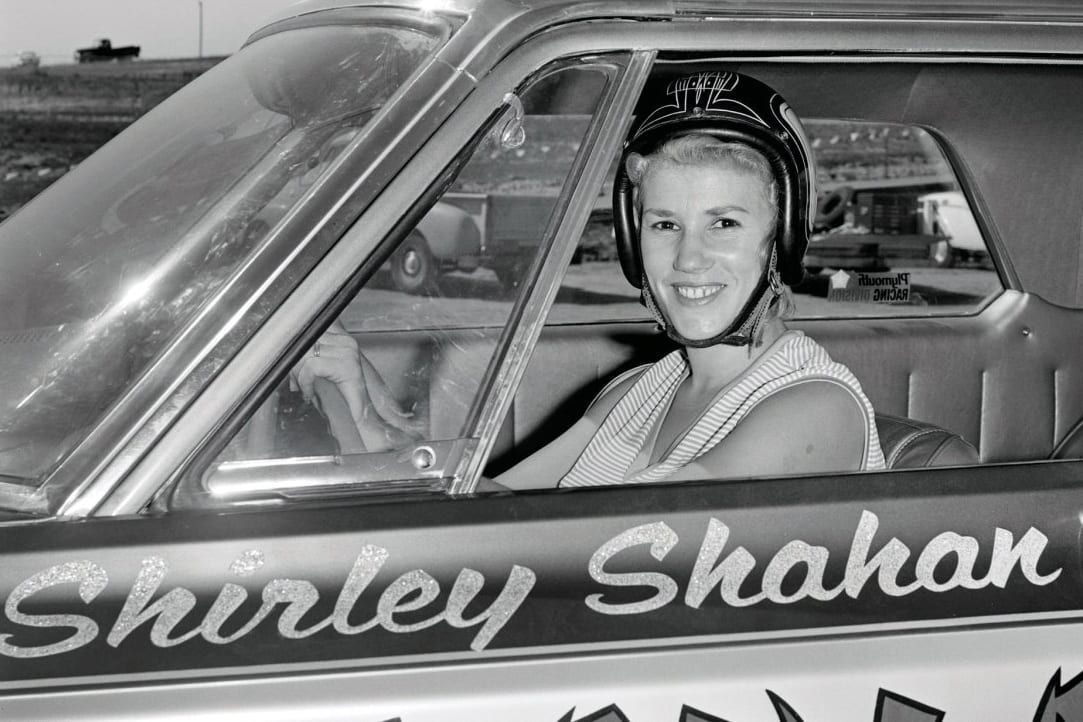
(101,272)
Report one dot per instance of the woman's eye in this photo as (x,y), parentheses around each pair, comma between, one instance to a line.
(664,226)
(726,223)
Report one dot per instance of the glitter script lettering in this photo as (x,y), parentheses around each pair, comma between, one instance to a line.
(808,562)
(947,561)
(409,592)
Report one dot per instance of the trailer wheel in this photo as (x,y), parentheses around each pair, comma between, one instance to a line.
(832,207)
(413,268)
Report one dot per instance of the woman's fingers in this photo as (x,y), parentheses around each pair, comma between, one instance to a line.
(376,413)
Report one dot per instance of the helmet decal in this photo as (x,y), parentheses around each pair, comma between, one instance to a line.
(705,93)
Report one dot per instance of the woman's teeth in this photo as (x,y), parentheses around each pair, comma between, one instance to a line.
(696,293)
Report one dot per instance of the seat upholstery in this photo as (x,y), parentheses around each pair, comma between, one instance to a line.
(1008,379)
(912,444)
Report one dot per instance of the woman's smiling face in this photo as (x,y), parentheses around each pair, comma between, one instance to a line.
(703,237)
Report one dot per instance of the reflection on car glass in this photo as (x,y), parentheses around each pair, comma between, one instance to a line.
(156,223)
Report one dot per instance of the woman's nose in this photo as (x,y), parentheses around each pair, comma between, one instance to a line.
(691,255)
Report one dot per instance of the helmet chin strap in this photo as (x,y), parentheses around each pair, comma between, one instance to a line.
(745,329)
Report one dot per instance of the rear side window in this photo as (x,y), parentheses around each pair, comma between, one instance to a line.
(894,233)
(894,236)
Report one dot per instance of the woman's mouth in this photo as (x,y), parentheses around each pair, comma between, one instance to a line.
(698,293)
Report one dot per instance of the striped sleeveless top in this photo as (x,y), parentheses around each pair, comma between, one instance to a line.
(610,455)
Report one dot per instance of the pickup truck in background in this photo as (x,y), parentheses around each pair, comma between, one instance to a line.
(463,231)
(878,225)
(947,214)
(467,231)
(488,220)
(104,51)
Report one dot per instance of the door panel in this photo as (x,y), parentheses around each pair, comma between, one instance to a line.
(572,574)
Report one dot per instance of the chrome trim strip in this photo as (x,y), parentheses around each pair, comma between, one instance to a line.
(474,660)
(425,465)
(604,141)
(540,11)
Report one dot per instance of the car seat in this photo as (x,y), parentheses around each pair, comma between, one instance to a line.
(911,444)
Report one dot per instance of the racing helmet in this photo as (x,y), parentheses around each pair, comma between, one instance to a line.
(730,107)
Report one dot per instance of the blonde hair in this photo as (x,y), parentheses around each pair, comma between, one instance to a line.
(700,149)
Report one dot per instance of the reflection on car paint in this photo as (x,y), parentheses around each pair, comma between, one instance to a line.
(890,707)
(1059,703)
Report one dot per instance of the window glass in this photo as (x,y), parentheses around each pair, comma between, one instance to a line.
(378,403)
(103,271)
(894,236)
(894,233)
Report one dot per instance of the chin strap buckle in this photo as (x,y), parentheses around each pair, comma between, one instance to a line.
(775,281)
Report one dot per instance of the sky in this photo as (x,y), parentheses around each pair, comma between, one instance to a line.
(54,29)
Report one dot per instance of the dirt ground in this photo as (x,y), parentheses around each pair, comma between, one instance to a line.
(38,148)
(53,117)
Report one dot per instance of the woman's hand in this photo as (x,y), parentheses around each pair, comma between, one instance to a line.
(334,357)
(378,420)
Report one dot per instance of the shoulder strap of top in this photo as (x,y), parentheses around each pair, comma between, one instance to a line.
(615,445)
(617,380)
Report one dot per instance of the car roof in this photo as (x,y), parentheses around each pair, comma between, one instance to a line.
(1063,10)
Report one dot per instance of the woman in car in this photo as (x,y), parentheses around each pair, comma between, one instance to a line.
(712,206)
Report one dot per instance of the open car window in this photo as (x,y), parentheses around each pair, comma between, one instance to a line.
(894,233)
(900,248)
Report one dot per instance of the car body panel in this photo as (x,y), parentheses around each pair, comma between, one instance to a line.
(946,591)
(958,548)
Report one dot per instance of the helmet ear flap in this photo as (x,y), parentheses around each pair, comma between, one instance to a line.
(626,227)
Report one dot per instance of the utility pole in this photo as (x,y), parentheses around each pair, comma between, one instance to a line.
(201,28)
